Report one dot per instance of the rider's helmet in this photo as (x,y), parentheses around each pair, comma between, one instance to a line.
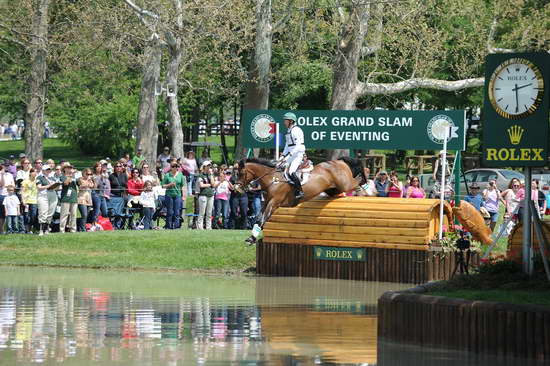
(290,116)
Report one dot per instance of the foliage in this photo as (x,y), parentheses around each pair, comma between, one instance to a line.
(95,112)
(498,265)
(53,149)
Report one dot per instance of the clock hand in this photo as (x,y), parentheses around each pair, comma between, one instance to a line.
(521,87)
(517,98)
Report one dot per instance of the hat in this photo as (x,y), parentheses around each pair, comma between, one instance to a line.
(66,165)
(291,116)
(108,159)
(22,155)
(12,157)
(103,162)
(206,163)
(139,149)
(46,167)
(383,172)
(474,185)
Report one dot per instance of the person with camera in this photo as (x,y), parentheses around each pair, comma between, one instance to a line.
(492,199)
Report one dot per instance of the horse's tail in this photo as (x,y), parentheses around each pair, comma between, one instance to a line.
(355,166)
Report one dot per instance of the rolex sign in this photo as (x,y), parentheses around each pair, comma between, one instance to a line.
(515,127)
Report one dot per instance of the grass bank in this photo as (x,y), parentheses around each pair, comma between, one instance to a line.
(162,249)
(501,281)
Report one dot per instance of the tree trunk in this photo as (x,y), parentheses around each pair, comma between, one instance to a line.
(147,129)
(257,88)
(225,154)
(344,72)
(172,73)
(34,115)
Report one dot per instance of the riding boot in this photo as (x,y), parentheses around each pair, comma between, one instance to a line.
(298,192)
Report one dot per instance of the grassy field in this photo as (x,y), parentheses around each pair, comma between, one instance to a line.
(156,249)
(57,150)
(53,149)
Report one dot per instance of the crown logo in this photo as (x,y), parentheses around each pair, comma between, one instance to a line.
(515,132)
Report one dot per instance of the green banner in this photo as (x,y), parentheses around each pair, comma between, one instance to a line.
(340,254)
(515,114)
(359,129)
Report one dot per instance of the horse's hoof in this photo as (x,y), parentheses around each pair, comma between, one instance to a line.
(250,240)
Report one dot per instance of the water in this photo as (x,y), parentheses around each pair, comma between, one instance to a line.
(81,317)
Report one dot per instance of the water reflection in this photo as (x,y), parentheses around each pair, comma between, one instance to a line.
(56,316)
(82,317)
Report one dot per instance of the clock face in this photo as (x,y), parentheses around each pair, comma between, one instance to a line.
(516,88)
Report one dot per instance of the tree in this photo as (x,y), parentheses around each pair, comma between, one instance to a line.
(35,42)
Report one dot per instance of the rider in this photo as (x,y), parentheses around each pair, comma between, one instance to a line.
(293,152)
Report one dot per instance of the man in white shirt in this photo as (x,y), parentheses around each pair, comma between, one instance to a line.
(294,152)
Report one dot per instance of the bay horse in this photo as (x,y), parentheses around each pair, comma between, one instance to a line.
(331,177)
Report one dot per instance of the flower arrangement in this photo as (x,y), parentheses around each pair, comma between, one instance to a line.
(450,237)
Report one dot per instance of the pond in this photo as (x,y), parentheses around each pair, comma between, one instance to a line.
(80,317)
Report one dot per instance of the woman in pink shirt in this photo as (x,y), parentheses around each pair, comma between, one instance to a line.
(414,190)
(396,187)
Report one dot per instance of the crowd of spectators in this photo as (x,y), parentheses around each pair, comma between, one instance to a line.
(44,196)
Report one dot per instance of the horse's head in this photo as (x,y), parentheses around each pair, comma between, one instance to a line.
(253,169)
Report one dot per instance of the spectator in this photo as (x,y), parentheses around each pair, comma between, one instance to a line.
(135,184)
(147,200)
(23,173)
(511,200)
(382,184)
(86,184)
(12,210)
(541,200)
(164,158)
(119,184)
(176,189)
(146,174)
(29,195)
(138,159)
(395,189)
(474,197)
(10,166)
(51,163)
(190,164)
(438,169)
(69,200)
(492,199)
(6,179)
(38,165)
(47,198)
(255,196)
(414,190)
(99,193)
(238,203)
(128,161)
(205,156)
(221,200)
(207,186)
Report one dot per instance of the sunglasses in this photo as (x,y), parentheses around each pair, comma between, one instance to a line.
(175,166)
(146,167)
(515,186)
(118,166)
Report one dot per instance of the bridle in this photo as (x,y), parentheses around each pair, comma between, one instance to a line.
(271,170)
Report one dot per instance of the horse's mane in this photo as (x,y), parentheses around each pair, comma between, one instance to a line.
(264,162)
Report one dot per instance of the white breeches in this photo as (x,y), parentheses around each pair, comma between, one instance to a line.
(294,161)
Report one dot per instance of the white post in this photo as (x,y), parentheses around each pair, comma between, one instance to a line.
(277,141)
(443,168)
(526,250)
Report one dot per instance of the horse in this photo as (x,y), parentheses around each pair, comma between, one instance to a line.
(331,177)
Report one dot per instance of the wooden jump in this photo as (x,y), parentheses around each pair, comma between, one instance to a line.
(395,234)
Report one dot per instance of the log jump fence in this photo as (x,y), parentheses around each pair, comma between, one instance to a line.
(363,238)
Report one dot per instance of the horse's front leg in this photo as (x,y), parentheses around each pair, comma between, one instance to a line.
(269,208)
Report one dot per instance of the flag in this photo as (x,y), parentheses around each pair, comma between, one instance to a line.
(272,127)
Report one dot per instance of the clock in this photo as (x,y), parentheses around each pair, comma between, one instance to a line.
(516,88)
